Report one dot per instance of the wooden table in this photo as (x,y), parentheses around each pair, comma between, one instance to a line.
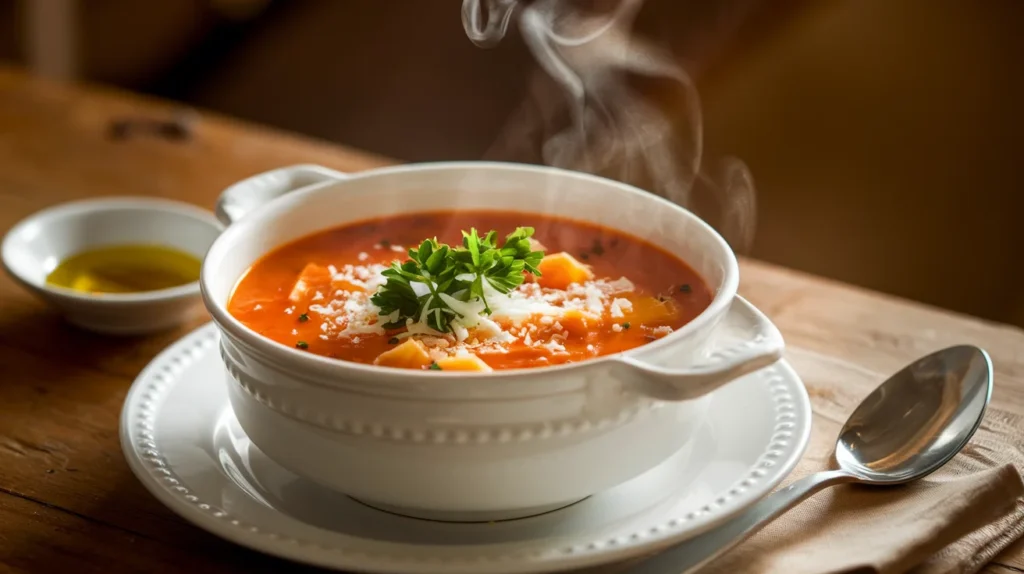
(68,499)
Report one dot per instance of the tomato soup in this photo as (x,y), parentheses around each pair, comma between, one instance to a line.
(480,290)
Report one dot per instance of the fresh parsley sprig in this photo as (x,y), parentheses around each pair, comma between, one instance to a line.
(429,265)
(503,268)
(458,272)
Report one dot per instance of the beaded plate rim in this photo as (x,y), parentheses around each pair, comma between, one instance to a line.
(792,427)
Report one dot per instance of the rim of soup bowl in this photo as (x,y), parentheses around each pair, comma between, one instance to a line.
(85,207)
(280,352)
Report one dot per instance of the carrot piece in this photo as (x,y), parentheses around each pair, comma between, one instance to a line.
(463,363)
(559,270)
(411,354)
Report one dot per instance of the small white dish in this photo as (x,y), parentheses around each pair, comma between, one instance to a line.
(38,243)
(181,439)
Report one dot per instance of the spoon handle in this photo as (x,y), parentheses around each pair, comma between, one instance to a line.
(701,549)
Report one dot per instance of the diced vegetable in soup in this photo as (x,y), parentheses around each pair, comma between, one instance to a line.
(468,291)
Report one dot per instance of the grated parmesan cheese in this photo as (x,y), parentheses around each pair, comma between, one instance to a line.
(619,305)
(555,347)
(367,277)
(530,313)
(355,314)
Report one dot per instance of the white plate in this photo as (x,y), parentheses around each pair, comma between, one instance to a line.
(182,441)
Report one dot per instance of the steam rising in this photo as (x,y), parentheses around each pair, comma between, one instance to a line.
(612,105)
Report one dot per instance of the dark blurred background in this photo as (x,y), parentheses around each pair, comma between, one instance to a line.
(884,137)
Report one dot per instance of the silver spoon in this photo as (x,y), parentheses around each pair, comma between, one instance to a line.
(908,427)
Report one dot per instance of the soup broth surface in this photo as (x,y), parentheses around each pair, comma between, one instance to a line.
(600,292)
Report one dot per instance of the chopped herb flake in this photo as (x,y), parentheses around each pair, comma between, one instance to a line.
(597,249)
(584,256)
(625,325)
(302,345)
(385,243)
(434,367)
(393,341)
(303,318)
(685,288)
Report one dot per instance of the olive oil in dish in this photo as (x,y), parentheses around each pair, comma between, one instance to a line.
(126,269)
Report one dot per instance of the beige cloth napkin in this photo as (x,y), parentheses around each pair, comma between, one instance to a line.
(954,521)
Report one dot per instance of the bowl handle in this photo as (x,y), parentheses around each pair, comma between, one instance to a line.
(761,345)
(246,195)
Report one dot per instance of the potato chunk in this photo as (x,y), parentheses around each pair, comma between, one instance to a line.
(463,363)
(411,354)
(578,323)
(559,270)
(312,279)
(651,312)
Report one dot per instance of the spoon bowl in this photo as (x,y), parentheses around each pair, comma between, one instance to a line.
(918,419)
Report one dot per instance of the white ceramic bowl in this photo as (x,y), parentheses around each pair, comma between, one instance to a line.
(468,446)
(38,243)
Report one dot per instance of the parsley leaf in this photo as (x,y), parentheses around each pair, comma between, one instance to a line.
(412,288)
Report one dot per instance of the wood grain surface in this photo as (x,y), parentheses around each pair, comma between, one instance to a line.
(67,498)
